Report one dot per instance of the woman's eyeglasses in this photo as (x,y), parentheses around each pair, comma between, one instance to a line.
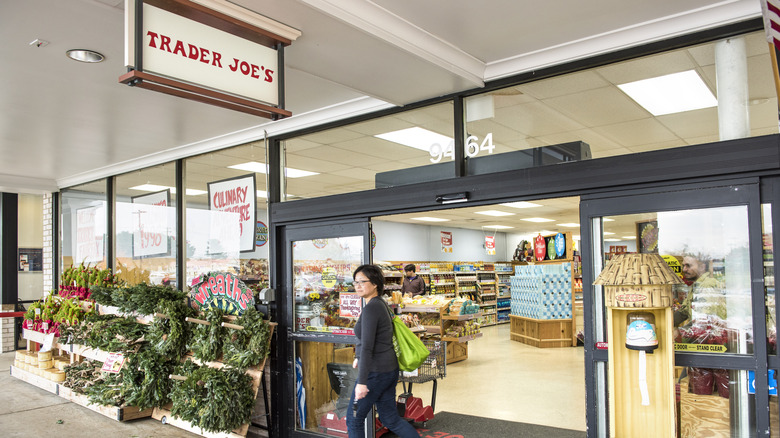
(361,282)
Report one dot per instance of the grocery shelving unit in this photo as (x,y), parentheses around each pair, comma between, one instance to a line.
(457,347)
(486,282)
(466,285)
(503,272)
(443,283)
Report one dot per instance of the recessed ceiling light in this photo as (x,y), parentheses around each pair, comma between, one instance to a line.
(417,138)
(607,233)
(669,94)
(494,213)
(612,240)
(430,219)
(191,192)
(254,166)
(497,227)
(606,219)
(521,204)
(570,225)
(84,55)
(629,237)
(538,219)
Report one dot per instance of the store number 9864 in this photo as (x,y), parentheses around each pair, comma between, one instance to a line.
(472,148)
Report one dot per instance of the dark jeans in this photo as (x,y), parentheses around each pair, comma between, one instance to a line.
(381,392)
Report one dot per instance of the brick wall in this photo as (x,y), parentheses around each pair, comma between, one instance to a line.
(48,243)
(7,330)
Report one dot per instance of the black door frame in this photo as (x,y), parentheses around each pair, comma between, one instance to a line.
(284,410)
(706,165)
(727,192)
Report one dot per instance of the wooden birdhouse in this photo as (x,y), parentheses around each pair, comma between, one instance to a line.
(638,280)
(636,284)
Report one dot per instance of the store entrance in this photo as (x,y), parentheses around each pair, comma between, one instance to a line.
(478,265)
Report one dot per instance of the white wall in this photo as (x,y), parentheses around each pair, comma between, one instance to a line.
(399,241)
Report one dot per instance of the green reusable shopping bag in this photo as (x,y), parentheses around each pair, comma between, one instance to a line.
(408,347)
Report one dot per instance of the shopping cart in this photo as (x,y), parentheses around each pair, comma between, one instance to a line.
(433,369)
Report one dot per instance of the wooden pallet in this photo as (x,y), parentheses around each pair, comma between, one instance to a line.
(118,413)
(256,373)
(43,383)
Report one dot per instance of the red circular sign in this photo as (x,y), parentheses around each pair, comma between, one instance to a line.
(540,247)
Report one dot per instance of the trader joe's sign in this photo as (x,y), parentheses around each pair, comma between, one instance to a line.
(238,198)
(223,290)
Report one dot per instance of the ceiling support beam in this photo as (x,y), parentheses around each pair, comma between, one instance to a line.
(384,25)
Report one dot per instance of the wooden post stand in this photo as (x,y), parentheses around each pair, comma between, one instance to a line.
(635,282)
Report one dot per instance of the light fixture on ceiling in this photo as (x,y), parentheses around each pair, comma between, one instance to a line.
(85,55)
(452,198)
(521,204)
(254,166)
(669,94)
(494,213)
(156,188)
(538,219)
(607,233)
(629,237)
(612,240)
(416,137)
(430,219)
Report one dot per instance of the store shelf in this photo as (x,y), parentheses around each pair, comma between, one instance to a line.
(504,308)
(489,303)
(461,317)
(462,339)
(433,329)
(421,309)
(43,383)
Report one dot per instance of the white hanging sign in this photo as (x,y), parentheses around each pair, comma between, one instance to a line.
(236,196)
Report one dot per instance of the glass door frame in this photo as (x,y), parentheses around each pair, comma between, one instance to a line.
(287,335)
(670,197)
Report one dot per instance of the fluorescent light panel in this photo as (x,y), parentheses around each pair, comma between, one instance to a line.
(430,219)
(538,219)
(254,166)
(521,204)
(156,188)
(416,137)
(669,94)
(612,240)
(494,213)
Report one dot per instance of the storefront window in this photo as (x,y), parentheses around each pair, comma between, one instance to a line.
(84,225)
(30,278)
(769,279)
(146,226)
(409,147)
(592,114)
(324,383)
(226,214)
(325,298)
(708,248)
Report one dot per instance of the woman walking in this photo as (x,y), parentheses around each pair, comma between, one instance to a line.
(375,360)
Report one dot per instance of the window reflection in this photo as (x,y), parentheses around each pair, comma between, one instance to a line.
(325,298)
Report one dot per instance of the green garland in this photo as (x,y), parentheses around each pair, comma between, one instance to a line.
(108,333)
(206,343)
(247,347)
(142,298)
(170,336)
(146,380)
(217,400)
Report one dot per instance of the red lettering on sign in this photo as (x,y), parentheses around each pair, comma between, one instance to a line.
(268,77)
(220,285)
(203,294)
(630,298)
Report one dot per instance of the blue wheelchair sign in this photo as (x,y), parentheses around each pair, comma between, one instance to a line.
(772,382)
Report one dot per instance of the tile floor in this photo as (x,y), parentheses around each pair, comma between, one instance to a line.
(512,381)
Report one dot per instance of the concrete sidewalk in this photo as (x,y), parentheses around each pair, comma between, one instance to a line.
(28,411)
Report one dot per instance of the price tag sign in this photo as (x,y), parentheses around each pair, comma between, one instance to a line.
(113,363)
(48,342)
(540,247)
(349,305)
(329,277)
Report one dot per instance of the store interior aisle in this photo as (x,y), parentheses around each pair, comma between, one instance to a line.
(508,380)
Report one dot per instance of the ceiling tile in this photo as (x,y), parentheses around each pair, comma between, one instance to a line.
(602,106)
(563,85)
(647,67)
(637,132)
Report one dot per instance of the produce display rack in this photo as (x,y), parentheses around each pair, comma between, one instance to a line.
(457,347)
(118,413)
(256,373)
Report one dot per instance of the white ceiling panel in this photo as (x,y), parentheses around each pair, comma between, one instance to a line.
(637,132)
(597,107)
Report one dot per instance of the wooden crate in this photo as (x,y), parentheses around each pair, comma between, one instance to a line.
(40,382)
(457,351)
(542,333)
